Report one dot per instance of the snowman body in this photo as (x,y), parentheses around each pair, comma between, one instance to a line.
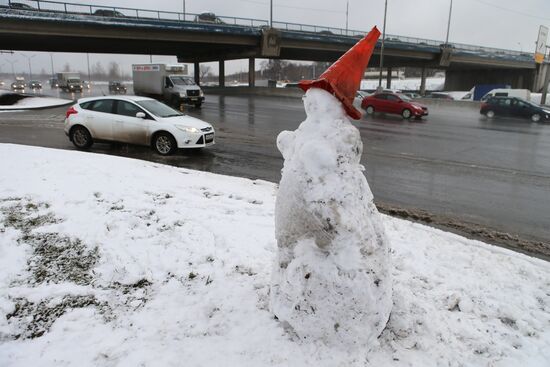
(331,280)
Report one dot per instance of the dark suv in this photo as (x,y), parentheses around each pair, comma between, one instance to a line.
(515,107)
(117,87)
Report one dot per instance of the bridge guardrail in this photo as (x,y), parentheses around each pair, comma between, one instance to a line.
(135,13)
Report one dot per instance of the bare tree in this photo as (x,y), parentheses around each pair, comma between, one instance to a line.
(204,71)
(114,70)
(66,67)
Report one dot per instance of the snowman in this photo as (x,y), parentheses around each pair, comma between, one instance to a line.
(331,280)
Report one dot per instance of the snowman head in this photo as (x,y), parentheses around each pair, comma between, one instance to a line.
(320,104)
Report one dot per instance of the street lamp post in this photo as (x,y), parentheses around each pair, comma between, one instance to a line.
(271,13)
(30,67)
(449,23)
(88,61)
(347,12)
(51,61)
(183,10)
(382,47)
(12,68)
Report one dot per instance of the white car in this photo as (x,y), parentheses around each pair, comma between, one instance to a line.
(135,120)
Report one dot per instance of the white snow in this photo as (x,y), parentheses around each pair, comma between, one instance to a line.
(331,281)
(36,102)
(206,243)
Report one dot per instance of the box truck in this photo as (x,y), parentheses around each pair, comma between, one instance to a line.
(69,81)
(168,83)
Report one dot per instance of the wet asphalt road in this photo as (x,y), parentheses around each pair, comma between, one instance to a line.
(453,165)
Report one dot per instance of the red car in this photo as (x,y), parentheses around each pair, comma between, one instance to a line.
(393,103)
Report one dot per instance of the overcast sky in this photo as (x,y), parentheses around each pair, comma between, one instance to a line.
(509,24)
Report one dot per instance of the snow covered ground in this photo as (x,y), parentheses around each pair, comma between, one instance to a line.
(34,102)
(110,261)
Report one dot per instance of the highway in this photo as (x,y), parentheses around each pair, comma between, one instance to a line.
(487,179)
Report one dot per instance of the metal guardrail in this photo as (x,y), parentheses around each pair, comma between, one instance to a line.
(134,13)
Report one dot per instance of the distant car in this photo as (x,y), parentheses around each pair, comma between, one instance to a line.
(18,85)
(514,107)
(21,6)
(117,87)
(54,83)
(35,84)
(439,95)
(108,13)
(1,83)
(208,18)
(326,32)
(135,120)
(395,104)
(86,84)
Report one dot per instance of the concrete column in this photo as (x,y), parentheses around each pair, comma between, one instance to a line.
(388,79)
(423,81)
(251,72)
(221,73)
(545,85)
(197,72)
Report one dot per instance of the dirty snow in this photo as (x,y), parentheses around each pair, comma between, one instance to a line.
(36,102)
(110,261)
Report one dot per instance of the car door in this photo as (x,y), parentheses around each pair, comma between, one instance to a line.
(523,109)
(127,127)
(99,118)
(393,104)
(380,103)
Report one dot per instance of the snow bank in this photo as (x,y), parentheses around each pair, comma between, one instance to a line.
(36,102)
(110,261)
(331,280)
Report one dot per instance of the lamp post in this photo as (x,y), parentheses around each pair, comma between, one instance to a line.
(12,68)
(347,12)
(51,61)
(382,47)
(30,67)
(88,61)
(271,13)
(183,10)
(449,23)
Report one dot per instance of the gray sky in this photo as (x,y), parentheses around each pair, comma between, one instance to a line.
(509,24)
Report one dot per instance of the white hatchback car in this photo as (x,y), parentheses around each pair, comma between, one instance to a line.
(135,120)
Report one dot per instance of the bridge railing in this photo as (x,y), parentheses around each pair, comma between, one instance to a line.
(135,13)
(124,12)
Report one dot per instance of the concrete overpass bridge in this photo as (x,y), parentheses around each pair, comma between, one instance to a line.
(68,27)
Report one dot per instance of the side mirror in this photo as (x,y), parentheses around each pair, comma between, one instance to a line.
(140,115)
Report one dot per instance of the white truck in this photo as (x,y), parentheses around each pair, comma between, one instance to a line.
(169,83)
(69,81)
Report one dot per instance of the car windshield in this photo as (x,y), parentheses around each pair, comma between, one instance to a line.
(73,80)
(158,109)
(180,80)
(404,97)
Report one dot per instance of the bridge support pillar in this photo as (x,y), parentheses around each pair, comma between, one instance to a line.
(197,72)
(423,81)
(388,79)
(221,73)
(251,72)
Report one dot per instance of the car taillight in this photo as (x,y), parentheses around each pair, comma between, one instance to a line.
(70,111)
(484,105)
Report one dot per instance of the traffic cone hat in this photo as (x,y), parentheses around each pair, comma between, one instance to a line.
(343,78)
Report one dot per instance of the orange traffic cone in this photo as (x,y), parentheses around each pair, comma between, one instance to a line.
(343,78)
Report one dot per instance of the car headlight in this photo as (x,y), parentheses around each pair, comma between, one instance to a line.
(183,95)
(188,129)
(201,93)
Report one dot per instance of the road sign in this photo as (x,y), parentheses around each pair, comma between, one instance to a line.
(541,44)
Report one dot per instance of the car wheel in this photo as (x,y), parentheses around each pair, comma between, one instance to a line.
(81,137)
(490,114)
(535,117)
(370,110)
(165,144)
(406,113)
